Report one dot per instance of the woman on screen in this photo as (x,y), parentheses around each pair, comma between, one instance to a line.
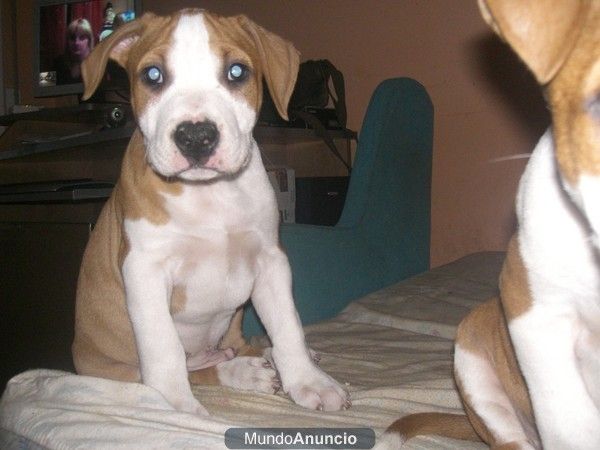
(80,42)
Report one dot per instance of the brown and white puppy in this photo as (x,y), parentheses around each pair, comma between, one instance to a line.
(190,232)
(527,365)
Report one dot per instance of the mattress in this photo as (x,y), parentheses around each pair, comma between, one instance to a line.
(392,349)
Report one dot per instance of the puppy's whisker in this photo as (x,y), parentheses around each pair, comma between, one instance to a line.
(509,158)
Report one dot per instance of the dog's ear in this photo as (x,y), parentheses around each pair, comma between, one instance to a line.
(116,47)
(542,32)
(279,60)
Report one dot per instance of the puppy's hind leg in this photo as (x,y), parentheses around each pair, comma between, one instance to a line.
(246,367)
(249,373)
(503,420)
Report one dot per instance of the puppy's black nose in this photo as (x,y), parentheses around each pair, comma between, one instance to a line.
(196,140)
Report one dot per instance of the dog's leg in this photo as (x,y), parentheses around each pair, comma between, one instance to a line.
(482,350)
(243,366)
(236,364)
(490,410)
(161,355)
(234,338)
(565,413)
(301,378)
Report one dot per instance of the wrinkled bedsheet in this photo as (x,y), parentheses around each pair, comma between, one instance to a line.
(392,349)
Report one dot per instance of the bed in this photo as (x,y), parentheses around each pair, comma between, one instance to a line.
(392,348)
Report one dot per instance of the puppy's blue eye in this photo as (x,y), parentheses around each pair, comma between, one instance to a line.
(237,72)
(153,75)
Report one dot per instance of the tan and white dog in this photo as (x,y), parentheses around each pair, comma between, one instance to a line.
(527,365)
(190,232)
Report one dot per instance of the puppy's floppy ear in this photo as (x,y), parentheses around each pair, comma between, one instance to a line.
(541,32)
(116,47)
(279,60)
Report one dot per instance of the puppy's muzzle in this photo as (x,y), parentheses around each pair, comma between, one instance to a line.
(196,140)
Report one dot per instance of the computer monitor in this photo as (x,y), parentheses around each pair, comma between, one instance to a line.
(64,33)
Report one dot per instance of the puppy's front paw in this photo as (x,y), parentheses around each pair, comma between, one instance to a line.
(319,391)
(189,405)
(249,373)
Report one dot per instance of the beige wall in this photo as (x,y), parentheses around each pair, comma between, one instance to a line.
(486,104)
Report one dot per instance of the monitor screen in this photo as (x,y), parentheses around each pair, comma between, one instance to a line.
(66,31)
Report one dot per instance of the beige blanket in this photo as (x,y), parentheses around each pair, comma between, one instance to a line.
(392,349)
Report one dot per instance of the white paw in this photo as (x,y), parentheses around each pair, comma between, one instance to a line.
(317,390)
(189,405)
(178,394)
(250,373)
(316,357)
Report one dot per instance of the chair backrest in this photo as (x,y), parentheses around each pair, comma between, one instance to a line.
(383,234)
(389,196)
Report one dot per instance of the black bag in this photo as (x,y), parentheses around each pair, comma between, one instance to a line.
(308,106)
(313,92)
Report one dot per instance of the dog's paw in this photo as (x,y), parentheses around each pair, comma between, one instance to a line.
(319,391)
(316,357)
(189,405)
(250,373)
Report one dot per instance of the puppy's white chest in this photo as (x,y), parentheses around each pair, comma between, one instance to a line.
(216,273)
(208,274)
(563,269)
(215,266)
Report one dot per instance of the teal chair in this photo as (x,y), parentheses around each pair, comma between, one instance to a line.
(383,233)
